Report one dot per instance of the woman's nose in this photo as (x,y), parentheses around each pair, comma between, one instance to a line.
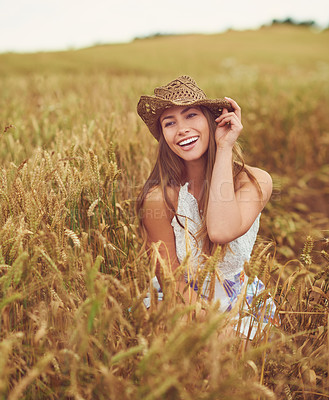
(183,129)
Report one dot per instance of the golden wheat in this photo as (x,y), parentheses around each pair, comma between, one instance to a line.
(72,278)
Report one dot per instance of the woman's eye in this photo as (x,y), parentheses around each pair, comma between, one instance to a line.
(191,115)
(168,124)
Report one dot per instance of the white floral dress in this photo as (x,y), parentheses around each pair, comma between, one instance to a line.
(230,269)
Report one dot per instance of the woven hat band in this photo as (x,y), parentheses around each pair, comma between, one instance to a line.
(182,90)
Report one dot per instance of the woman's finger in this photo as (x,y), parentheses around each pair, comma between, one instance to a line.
(228,117)
(227,114)
(236,107)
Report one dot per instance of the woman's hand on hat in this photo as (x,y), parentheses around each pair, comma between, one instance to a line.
(229,126)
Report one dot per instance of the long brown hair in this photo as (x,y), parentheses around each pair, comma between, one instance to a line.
(169,171)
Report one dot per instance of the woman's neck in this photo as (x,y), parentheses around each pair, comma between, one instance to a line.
(195,171)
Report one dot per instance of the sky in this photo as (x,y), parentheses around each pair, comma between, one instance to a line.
(41,25)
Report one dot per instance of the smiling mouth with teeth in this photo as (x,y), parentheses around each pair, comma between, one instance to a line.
(188,141)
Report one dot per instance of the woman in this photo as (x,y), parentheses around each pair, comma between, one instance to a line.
(200,182)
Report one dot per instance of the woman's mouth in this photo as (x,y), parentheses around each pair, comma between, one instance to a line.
(188,143)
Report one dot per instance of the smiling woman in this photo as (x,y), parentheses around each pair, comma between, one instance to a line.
(200,181)
(186,129)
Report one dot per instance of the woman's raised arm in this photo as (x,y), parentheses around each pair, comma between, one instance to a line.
(231,211)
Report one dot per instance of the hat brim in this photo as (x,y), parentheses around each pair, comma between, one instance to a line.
(150,109)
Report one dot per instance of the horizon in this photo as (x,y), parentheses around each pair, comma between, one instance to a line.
(40,26)
(311,25)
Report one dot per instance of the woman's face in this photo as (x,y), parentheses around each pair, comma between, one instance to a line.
(186,131)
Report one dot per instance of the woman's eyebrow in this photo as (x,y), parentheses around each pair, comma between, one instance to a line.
(185,110)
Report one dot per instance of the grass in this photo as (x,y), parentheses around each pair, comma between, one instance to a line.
(74,155)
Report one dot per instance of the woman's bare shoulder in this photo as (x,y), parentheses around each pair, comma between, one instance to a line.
(262,177)
(155,194)
(155,201)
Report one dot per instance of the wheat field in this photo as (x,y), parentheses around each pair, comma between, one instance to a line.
(74,155)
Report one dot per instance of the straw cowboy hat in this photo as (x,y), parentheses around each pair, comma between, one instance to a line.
(182,91)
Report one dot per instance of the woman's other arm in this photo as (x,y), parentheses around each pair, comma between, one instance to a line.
(157,221)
